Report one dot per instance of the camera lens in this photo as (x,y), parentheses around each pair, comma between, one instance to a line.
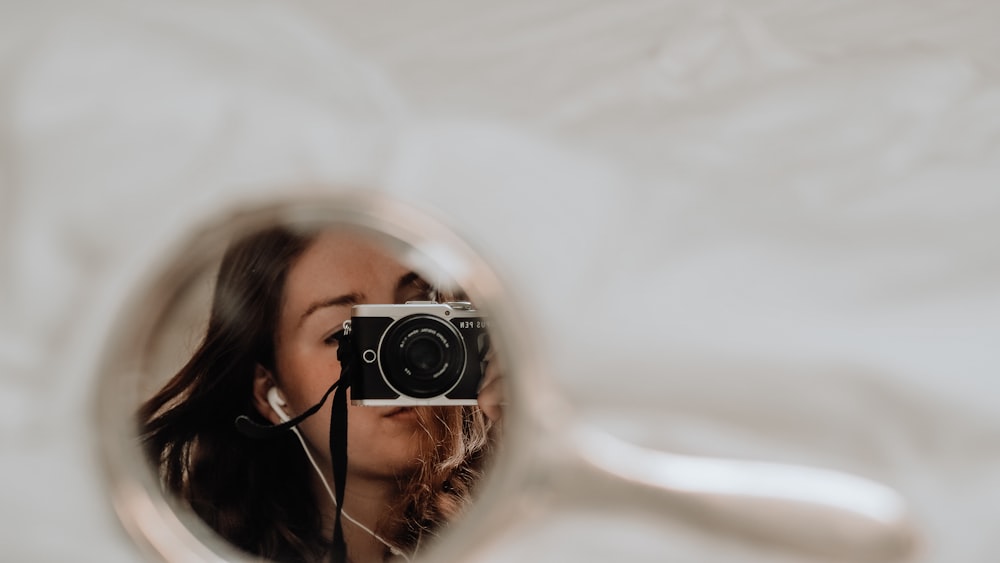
(422,356)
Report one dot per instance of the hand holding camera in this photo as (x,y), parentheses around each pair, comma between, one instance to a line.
(491,390)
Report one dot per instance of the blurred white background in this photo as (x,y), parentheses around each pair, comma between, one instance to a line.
(762,229)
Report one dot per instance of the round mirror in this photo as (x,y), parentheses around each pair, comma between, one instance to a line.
(308,380)
(424,426)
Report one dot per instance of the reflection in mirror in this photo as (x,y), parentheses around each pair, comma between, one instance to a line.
(396,403)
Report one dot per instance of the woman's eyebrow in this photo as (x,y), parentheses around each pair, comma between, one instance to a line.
(339,301)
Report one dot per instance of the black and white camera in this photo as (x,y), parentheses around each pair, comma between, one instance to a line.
(419,353)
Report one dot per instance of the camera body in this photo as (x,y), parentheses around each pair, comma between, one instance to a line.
(418,353)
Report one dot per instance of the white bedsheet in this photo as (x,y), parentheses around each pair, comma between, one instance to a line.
(760,229)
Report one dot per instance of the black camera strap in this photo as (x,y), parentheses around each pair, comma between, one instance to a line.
(258,431)
(338,441)
(338,436)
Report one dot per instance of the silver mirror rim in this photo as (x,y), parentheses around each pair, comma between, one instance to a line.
(166,531)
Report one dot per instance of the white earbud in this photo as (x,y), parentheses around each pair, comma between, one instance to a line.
(277,403)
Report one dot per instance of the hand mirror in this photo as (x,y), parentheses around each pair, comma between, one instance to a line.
(547,458)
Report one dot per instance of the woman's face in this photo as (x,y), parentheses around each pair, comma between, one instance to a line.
(338,270)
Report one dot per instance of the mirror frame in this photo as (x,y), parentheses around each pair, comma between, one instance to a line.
(159,525)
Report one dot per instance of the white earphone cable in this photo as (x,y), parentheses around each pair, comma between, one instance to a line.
(305,447)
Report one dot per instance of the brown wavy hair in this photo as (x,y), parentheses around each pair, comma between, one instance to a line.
(257,494)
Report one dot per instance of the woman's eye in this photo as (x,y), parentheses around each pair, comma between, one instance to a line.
(332,339)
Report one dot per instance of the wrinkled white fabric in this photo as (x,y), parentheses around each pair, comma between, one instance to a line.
(761,229)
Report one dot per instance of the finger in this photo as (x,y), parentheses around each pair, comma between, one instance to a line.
(490,398)
(491,393)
